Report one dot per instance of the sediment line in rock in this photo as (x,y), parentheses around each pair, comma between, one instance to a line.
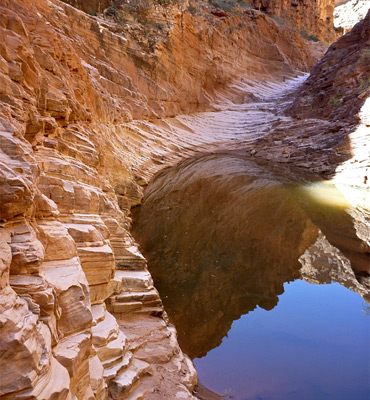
(82,107)
(87,115)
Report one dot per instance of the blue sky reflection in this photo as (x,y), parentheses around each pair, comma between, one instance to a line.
(313,345)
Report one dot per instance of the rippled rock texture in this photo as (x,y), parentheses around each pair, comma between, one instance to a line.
(80,102)
(89,110)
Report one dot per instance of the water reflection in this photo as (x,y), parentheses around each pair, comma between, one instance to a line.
(313,346)
(222,235)
(326,207)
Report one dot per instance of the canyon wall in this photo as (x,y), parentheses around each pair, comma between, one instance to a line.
(312,18)
(81,99)
(89,110)
(339,84)
(338,90)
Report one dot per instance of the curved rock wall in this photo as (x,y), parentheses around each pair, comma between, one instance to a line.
(76,93)
(338,90)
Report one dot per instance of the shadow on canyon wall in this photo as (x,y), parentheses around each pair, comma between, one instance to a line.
(223,234)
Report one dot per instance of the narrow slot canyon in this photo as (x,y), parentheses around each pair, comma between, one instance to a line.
(184,199)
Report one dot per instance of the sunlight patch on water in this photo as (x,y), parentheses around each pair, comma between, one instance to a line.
(356,196)
(338,195)
(326,193)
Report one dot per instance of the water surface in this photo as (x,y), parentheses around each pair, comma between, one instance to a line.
(244,258)
(312,345)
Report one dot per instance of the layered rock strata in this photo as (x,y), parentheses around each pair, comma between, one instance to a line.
(80,318)
(314,18)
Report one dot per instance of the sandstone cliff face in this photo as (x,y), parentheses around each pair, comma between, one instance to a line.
(338,92)
(79,312)
(311,17)
(90,6)
(340,83)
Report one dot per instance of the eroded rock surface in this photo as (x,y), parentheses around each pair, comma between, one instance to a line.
(313,18)
(81,99)
(89,111)
(339,84)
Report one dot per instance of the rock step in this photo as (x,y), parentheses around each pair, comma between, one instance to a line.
(131,259)
(115,349)
(112,371)
(123,383)
(141,391)
(149,295)
(130,263)
(122,308)
(135,281)
(105,330)
(111,362)
(154,311)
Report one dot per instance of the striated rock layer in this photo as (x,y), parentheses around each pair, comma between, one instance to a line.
(80,129)
(339,84)
(313,18)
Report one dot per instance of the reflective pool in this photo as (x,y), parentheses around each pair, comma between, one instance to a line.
(313,345)
(264,273)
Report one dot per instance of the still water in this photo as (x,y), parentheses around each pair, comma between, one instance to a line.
(263,273)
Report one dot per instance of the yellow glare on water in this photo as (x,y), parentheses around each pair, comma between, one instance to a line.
(338,195)
(326,193)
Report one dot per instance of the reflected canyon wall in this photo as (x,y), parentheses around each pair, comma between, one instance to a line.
(76,96)
(222,235)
